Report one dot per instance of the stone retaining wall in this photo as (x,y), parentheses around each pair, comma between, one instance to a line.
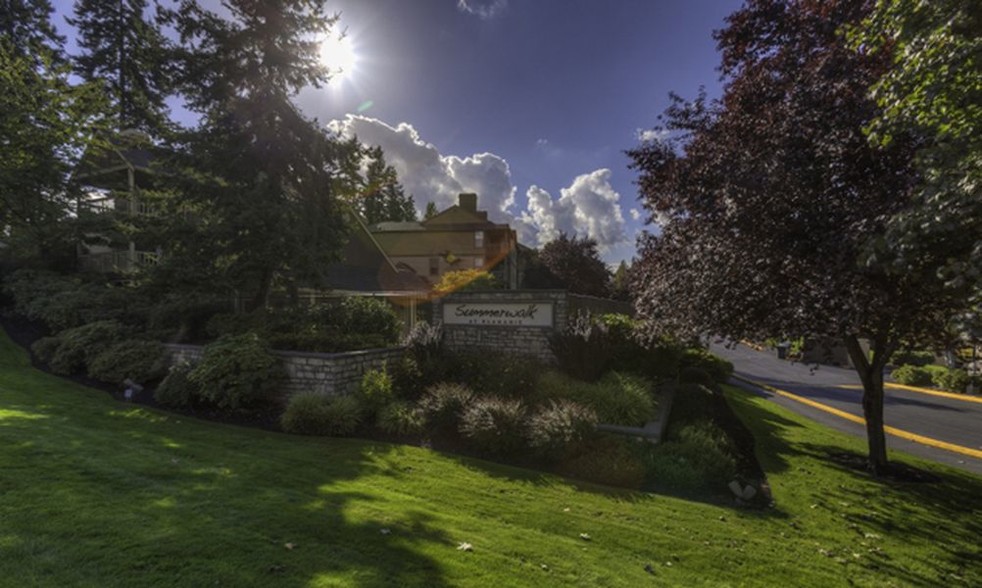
(334,374)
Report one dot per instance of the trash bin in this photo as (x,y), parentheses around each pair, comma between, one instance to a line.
(782,351)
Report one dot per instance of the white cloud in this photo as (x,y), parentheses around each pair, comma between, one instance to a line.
(635,214)
(483,9)
(589,207)
(655,135)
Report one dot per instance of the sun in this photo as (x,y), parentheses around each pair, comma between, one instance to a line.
(339,56)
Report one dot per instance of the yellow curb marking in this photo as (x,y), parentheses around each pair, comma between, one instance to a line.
(941,393)
(860,420)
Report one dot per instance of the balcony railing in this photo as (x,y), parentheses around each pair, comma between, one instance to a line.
(118,261)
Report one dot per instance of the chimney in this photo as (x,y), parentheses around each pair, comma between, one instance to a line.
(468,201)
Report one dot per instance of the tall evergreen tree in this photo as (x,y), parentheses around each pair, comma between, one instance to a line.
(383,198)
(123,48)
(261,178)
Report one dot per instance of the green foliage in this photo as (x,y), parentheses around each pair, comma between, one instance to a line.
(47,123)
(425,345)
(576,265)
(310,413)
(718,369)
(953,380)
(407,377)
(122,50)
(583,348)
(915,358)
(381,197)
(80,345)
(238,372)
(375,391)
(698,455)
(617,398)
(134,359)
(444,403)
(45,348)
(61,302)
(176,390)
(355,323)
(466,280)
(402,418)
(496,426)
(911,375)
(558,425)
(493,373)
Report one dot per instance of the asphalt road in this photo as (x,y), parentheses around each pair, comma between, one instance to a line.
(949,420)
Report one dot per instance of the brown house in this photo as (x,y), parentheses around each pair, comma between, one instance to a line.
(461,237)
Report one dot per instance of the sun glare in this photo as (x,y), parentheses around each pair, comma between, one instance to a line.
(339,56)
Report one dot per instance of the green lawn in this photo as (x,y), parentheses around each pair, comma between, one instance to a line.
(98,493)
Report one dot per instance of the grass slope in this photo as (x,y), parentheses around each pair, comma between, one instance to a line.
(99,493)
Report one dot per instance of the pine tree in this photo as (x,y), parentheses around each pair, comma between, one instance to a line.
(431,210)
(261,179)
(125,50)
(26,26)
(383,198)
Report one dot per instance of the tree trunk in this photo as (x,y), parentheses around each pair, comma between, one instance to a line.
(871,373)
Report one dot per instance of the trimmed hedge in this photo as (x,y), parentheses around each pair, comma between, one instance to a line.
(133,359)
(310,413)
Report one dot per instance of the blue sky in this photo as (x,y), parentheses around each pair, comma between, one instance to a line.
(530,103)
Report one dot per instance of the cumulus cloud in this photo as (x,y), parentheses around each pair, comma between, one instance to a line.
(635,214)
(483,9)
(430,176)
(589,207)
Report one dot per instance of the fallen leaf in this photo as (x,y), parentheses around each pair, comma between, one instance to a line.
(465,547)
(585,537)
(290,546)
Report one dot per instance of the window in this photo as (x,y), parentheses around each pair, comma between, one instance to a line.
(478,262)
(434,266)
(479,239)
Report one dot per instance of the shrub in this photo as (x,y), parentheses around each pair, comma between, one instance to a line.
(583,349)
(237,372)
(368,316)
(607,460)
(497,426)
(63,302)
(494,373)
(176,390)
(912,375)
(912,357)
(444,403)
(402,418)
(45,348)
(375,391)
(558,425)
(692,403)
(80,345)
(701,447)
(407,378)
(618,398)
(310,413)
(954,380)
(139,361)
(181,319)
(719,369)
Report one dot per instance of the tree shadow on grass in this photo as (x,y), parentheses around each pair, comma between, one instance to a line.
(769,430)
(97,493)
(943,510)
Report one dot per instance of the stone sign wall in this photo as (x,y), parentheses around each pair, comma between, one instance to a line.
(328,373)
(510,321)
